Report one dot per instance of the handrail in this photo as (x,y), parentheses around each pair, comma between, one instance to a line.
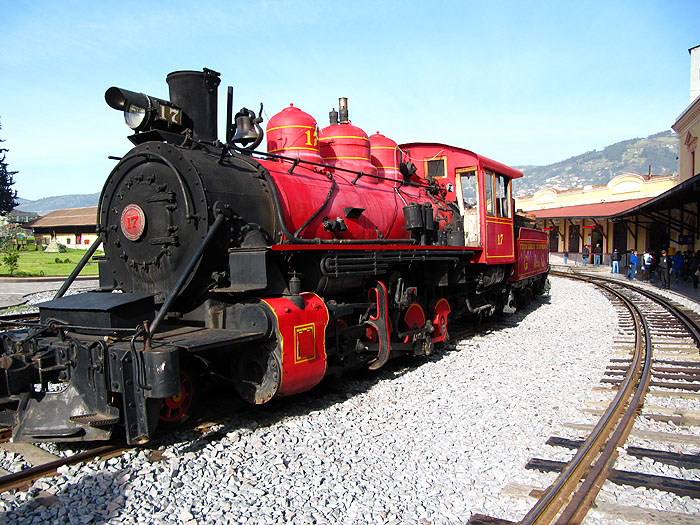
(185,274)
(78,268)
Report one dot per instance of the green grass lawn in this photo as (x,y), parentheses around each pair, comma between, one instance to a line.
(39,263)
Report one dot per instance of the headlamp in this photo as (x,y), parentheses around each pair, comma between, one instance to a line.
(134,116)
(143,112)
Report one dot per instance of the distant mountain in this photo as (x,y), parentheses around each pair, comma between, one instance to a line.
(658,153)
(47,204)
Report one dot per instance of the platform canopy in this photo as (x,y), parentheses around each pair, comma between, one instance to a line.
(676,208)
(685,193)
(597,210)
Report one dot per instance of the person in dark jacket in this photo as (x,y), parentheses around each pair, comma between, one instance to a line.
(615,257)
(694,266)
(678,262)
(597,254)
(585,254)
(665,265)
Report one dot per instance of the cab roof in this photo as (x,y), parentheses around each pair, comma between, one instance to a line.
(485,162)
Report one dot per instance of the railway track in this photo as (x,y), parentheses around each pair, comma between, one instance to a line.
(13,321)
(656,353)
(672,353)
(43,463)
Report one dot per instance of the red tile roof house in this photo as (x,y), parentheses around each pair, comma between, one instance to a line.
(72,227)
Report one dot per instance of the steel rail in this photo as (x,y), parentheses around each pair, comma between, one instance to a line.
(576,510)
(613,427)
(684,318)
(11,321)
(24,478)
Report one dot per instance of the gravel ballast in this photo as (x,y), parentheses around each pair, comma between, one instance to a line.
(428,441)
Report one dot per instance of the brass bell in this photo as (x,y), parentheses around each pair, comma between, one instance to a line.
(245,132)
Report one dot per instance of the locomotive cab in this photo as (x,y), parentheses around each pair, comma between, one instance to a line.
(480,188)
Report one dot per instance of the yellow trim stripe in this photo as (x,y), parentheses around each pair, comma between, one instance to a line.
(534,272)
(293,147)
(387,168)
(291,126)
(345,158)
(499,256)
(383,147)
(342,137)
(297,331)
(500,221)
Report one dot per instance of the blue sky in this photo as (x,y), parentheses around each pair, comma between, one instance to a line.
(521,82)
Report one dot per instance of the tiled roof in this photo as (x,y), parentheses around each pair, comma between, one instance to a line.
(600,209)
(68,217)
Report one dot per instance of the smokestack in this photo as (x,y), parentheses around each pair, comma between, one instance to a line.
(196,93)
(694,72)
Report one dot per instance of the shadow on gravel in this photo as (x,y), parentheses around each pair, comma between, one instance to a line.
(494,324)
(330,391)
(90,499)
(98,496)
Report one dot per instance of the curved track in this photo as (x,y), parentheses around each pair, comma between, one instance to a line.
(651,317)
(650,323)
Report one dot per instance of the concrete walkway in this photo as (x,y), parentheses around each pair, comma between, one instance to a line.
(684,288)
(14,289)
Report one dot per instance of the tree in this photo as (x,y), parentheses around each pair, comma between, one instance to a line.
(8,196)
(11,260)
(8,253)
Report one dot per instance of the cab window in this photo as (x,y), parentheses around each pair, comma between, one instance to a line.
(435,168)
(468,179)
(502,189)
(488,192)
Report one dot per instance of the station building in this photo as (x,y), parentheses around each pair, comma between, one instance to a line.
(598,215)
(631,212)
(72,227)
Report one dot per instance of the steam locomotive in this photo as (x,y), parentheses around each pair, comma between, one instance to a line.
(267,271)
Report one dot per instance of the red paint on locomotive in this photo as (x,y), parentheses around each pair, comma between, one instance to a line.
(488,224)
(301,341)
(293,133)
(347,146)
(441,310)
(533,255)
(304,190)
(413,319)
(384,154)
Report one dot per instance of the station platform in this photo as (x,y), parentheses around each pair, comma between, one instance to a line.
(684,288)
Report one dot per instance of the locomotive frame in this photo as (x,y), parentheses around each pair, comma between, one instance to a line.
(331,251)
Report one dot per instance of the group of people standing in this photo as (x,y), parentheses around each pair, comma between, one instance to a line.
(682,266)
